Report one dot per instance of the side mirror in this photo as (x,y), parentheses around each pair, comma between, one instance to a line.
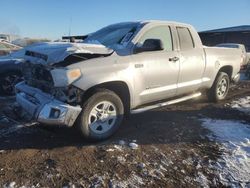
(150,45)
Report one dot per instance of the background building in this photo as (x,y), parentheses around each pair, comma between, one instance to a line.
(9,37)
(238,34)
(28,41)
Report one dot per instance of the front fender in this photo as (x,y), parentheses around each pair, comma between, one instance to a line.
(104,70)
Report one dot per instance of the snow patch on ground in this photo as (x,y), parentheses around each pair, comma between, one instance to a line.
(202,180)
(132,181)
(123,145)
(234,137)
(242,104)
(10,185)
(133,145)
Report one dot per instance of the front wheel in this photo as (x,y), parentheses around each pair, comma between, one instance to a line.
(220,88)
(101,115)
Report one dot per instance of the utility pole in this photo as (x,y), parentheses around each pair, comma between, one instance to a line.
(70,23)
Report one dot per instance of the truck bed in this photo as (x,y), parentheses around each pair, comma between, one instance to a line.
(218,57)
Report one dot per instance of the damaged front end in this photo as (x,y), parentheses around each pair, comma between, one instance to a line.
(54,81)
(44,107)
(47,94)
(45,100)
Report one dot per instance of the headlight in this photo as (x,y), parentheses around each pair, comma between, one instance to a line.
(74,74)
(65,77)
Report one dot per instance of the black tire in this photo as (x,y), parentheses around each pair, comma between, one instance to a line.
(95,101)
(8,82)
(216,93)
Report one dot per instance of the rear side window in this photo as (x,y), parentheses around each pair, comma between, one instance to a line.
(186,40)
(161,32)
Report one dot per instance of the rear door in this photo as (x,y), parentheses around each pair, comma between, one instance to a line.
(192,62)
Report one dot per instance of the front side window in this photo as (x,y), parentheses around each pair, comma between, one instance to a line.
(161,32)
(185,38)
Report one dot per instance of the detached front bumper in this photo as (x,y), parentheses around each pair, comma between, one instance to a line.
(44,108)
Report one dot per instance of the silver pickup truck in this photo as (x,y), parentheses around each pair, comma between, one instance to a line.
(123,68)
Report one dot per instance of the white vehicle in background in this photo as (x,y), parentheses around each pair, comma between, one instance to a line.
(7,47)
(245,57)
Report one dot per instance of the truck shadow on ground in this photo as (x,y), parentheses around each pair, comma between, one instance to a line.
(169,125)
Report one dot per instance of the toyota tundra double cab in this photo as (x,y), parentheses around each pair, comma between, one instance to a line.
(121,69)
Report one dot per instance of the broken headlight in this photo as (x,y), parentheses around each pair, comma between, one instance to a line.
(65,77)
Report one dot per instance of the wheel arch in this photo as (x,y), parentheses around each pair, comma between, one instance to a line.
(118,87)
(227,69)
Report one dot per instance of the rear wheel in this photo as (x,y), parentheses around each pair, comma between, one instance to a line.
(8,82)
(220,88)
(101,115)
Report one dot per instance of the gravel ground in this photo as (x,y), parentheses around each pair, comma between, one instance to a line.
(165,147)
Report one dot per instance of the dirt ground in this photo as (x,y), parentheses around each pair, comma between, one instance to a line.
(165,147)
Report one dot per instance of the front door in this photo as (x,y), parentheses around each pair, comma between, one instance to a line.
(161,68)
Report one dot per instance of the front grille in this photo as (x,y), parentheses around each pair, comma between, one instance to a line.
(38,76)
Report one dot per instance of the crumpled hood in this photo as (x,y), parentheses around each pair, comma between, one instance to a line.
(55,52)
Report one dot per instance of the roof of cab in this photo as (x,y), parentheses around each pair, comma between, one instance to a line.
(164,22)
(154,22)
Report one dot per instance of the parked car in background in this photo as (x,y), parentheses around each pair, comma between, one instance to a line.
(10,72)
(245,57)
(7,48)
(24,42)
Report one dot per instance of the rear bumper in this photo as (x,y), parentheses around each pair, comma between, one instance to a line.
(44,108)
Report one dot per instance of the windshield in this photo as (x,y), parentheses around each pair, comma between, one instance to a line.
(113,35)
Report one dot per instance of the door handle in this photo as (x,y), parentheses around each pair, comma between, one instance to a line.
(174,59)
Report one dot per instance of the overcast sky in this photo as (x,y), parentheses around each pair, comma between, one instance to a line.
(54,18)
